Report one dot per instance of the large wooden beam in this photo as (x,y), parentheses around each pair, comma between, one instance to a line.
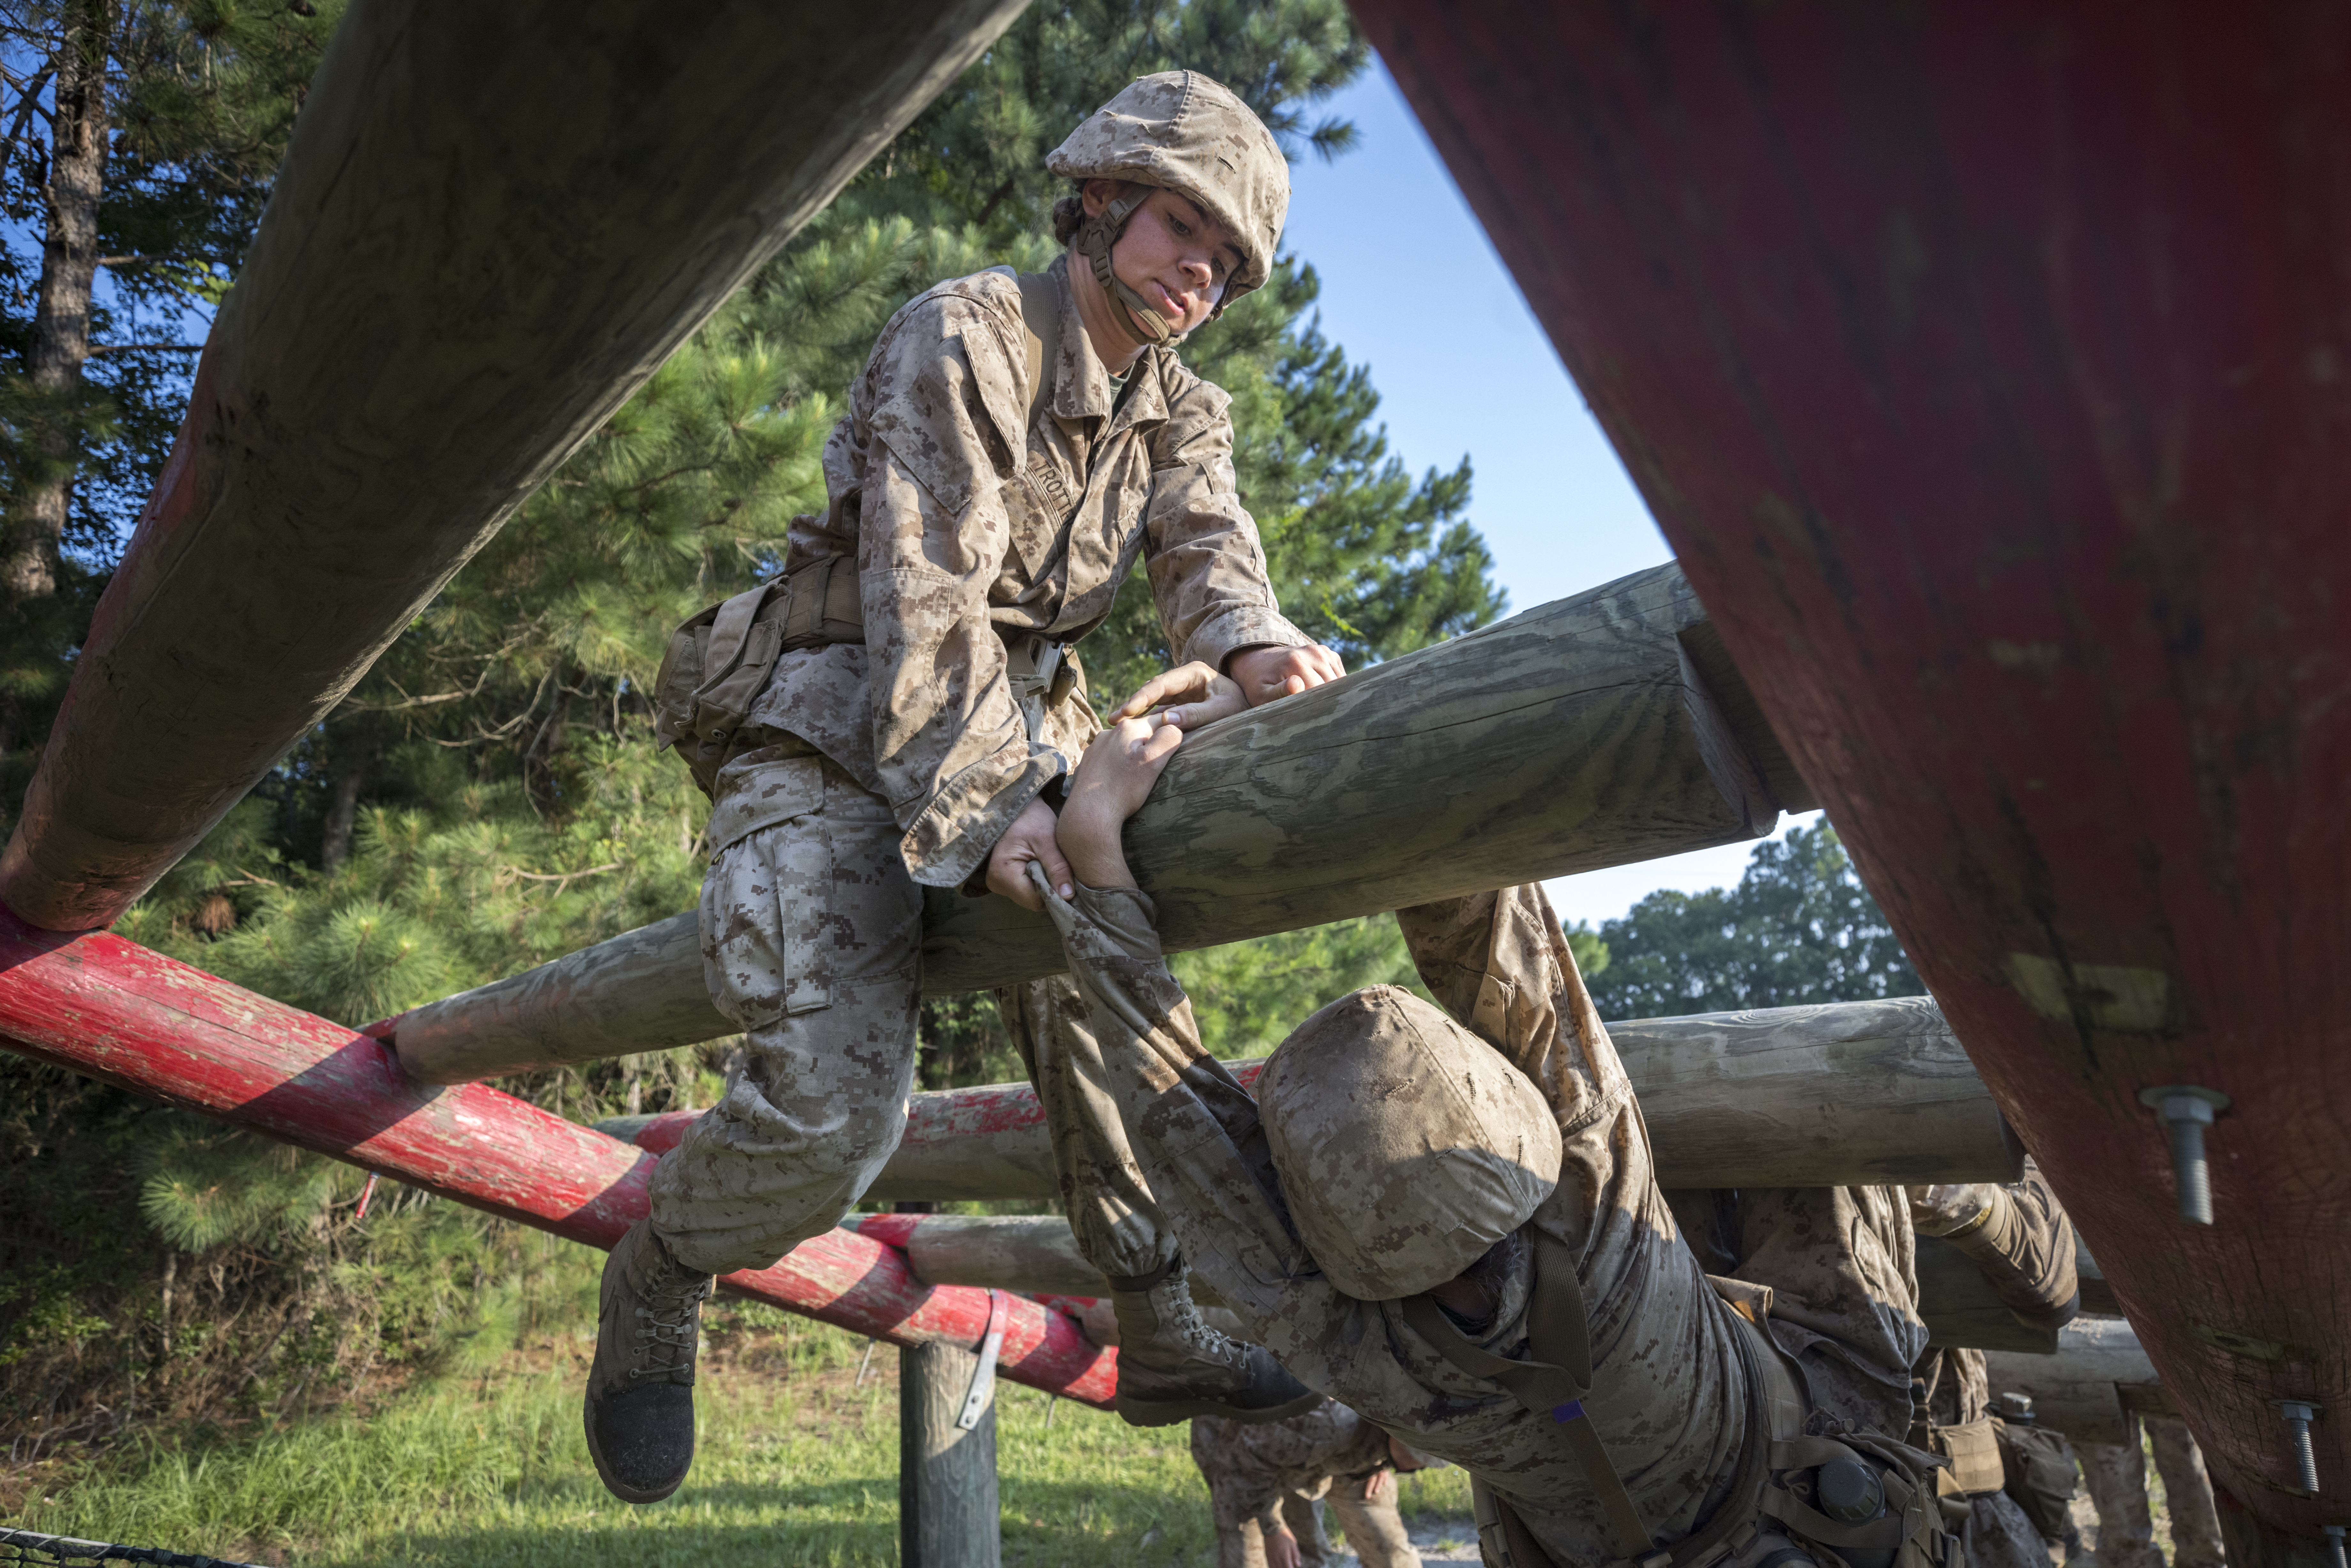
(494,221)
(1849,1093)
(1591,732)
(114,1010)
(1987,365)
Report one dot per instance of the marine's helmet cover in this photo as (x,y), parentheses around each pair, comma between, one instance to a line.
(1405,1146)
(1180,131)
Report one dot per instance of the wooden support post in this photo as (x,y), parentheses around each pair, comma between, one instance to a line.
(1596,731)
(492,224)
(947,1511)
(1846,1093)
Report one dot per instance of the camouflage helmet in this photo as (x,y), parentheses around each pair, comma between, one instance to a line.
(1405,1146)
(1179,130)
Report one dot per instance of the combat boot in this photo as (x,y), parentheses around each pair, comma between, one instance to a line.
(1173,1366)
(640,1406)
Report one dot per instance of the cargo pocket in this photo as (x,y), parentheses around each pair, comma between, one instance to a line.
(767,897)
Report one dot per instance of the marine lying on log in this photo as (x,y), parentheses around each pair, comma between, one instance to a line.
(1843,1094)
(1594,731)
(1036,1255)
(492,224)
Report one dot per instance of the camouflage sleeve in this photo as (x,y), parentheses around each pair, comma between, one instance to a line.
(953,753)
(2024,1245)
(1194,1129)
(1499,964)
(1207,566)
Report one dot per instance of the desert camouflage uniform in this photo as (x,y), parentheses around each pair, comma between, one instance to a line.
(1669,1396)
(2117,1474)
(2026,1249)
(898,763)
(1264,1478)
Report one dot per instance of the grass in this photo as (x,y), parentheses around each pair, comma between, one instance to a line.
(797,1465)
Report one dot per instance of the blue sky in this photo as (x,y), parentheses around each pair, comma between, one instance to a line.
(1412,287)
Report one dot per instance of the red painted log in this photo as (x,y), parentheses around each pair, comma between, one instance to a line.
(1988,367)
(114,1010)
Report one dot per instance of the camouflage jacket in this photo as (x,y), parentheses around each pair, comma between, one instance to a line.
(1667,1396)
(1669,1393)
(966,523)
(2027,1253)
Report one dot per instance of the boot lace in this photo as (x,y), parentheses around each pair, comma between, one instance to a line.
(665,1335)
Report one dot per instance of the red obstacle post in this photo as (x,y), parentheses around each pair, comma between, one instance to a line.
(1989,366)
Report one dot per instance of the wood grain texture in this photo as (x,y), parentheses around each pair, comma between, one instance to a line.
(947,1511)
(1987,366)
(1579,735)
(121,1013)
(1847,1093)
(492,224)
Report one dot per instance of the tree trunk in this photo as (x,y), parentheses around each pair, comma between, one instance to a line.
(69,268)
(343,814)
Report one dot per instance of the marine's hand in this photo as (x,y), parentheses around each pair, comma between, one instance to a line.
(1120,768)
(1033,837)
(1187,696)
(1381,1487)
(1267,675)
(1280,1550)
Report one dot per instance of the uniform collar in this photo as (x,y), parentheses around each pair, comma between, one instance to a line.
(1081,388)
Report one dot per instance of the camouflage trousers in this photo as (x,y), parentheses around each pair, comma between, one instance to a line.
(2116,1477)
(812,943)
(1997,1535)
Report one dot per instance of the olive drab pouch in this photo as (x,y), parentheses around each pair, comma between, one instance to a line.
(720,661)
(1973,1450)
(2038,1468)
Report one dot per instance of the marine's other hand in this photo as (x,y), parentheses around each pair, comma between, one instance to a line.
(1112,783)
(1267,674)
(1187,696)
(1033,837)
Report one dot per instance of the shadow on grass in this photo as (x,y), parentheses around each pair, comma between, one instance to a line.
(829,1524)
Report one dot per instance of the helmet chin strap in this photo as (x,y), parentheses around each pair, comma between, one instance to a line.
(1095,237)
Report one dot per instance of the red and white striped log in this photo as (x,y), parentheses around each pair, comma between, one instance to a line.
(113,1009)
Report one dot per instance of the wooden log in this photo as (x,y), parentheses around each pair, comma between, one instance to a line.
(1986,366)
(948,1513)
(1583,734)
(113,1011)
(2082,1389)
(1038,1256)
(1842,1093)
(493,223)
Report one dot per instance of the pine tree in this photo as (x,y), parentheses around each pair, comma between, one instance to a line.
(138,138)
(488,796)
(1798,928)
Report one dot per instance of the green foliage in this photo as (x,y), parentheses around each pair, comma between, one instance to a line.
(488,798)
(1798,928)
(1248,997)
